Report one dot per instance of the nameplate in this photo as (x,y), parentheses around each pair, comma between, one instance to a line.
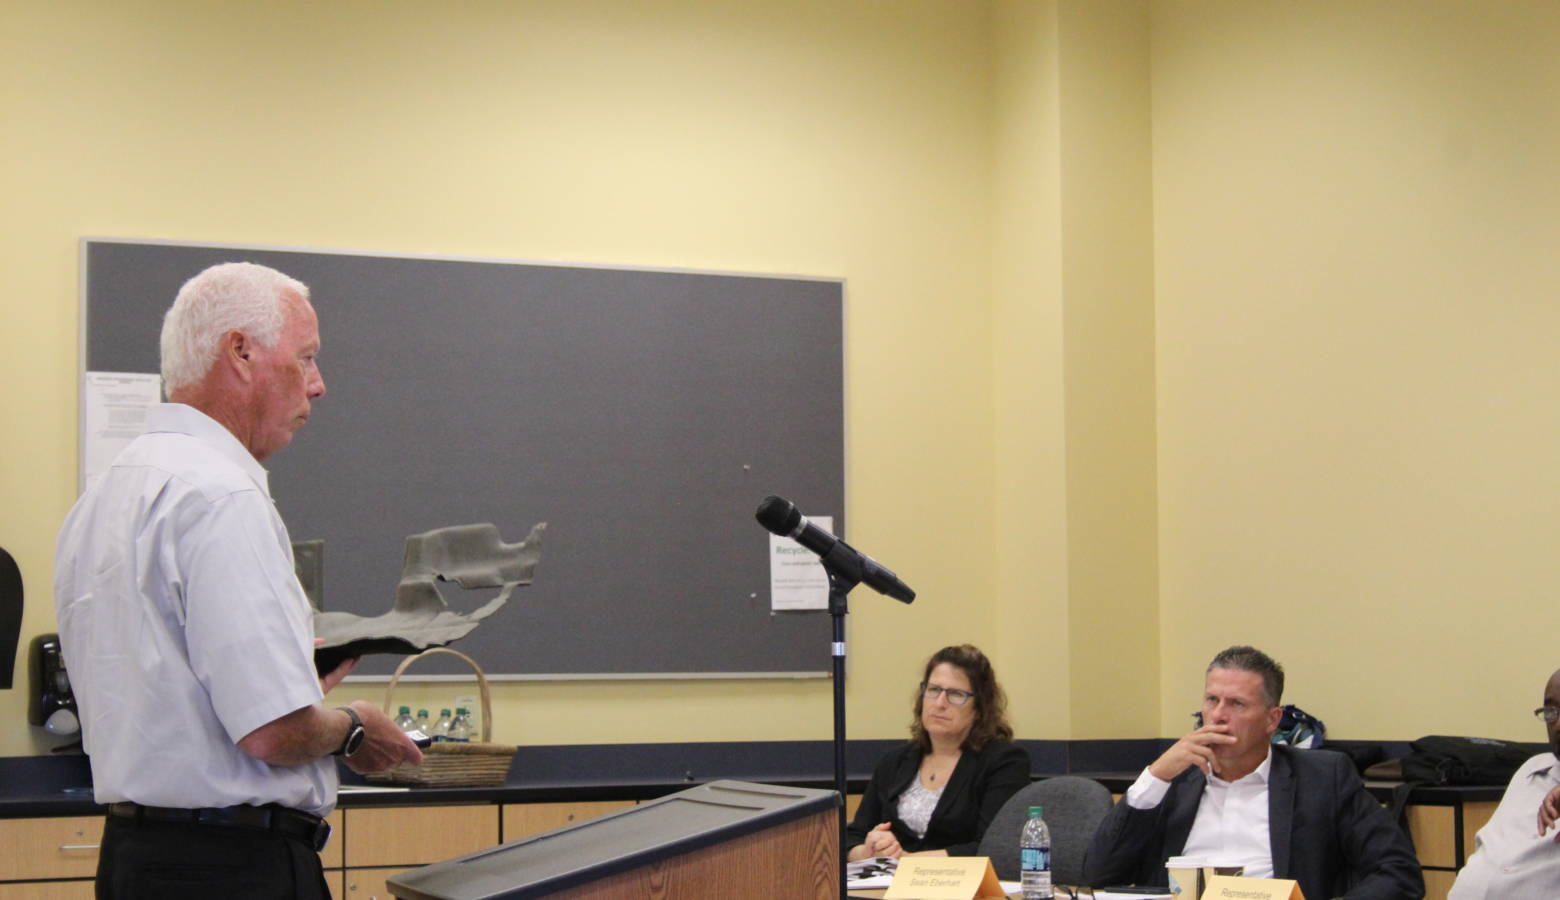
(944,878)
(1229,887)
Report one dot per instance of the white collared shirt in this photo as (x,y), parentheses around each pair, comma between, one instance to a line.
(1510,859)
(183,625)
(1232,818)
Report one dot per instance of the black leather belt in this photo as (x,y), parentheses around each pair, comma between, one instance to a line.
(312,830)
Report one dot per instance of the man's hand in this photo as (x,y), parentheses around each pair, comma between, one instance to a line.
(334,676)
(1549,814)
(1195,749)
(341,671)
(384,745)
(881,842)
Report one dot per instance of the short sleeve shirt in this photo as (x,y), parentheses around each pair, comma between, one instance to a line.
(183,625)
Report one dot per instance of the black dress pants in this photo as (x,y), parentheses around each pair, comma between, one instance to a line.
(155,860)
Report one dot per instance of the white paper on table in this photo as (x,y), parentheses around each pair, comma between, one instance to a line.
(874,872)
(796,577)
(114,406)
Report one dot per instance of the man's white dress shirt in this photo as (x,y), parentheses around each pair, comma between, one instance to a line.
(183,625)
(1509,858)
(1232,818)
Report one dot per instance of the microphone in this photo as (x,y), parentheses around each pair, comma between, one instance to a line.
(780,516)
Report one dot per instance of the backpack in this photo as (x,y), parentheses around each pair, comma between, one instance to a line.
(1300,729)
(1439,760)
(1465,760)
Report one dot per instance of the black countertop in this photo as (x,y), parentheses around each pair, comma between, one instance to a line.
(60,785)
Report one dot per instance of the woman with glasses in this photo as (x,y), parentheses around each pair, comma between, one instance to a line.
(935,795)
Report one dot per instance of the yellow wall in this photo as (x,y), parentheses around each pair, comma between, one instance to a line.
(1175,323)
(1355,220)
(832,138)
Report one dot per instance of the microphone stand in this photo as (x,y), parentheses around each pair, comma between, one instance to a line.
(841,580)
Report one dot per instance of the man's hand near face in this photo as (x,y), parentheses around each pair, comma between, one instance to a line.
(1549,814)
(1195,749)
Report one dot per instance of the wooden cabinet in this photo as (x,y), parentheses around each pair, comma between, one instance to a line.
(1435,835)
(63,847)
(525,819)
(414,835)
(368,884)
(1444,839)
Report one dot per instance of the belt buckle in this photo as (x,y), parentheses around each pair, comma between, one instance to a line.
(321,835)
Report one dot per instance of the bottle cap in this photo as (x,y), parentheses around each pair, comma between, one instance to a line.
(406,710)
(1036,812)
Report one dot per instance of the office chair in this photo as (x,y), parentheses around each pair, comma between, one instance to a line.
(1074,807)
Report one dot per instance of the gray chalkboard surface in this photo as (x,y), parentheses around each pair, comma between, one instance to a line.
(642,414)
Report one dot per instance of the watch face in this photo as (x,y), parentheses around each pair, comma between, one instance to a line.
(354,740)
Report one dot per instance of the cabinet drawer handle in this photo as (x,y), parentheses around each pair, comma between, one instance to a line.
(80,846)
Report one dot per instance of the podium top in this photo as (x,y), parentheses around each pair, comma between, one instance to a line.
(617,842)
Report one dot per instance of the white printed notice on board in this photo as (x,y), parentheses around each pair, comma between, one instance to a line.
(796,578)
(114,406)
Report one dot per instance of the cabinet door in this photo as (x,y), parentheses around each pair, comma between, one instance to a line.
(1435,834)
(369,884)
(415,835)
(525,819)
(64,847)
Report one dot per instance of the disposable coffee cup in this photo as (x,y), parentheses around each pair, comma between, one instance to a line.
(1186,876)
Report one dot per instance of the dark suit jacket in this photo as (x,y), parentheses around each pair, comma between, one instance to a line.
(980,784)
(1326,832)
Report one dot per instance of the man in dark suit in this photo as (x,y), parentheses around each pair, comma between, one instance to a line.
(1226,794)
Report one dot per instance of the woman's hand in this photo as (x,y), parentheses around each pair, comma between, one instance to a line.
(880,841)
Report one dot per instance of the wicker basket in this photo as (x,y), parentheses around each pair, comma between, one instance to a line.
(448,763)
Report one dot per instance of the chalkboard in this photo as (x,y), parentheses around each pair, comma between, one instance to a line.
(642,414)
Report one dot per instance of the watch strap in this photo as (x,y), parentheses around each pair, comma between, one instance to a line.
(354,736)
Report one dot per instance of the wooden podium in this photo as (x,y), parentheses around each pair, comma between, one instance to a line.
(722,839)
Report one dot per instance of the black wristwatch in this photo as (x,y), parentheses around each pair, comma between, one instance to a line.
(355,734)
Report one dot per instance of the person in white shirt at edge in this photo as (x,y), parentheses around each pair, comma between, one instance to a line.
(188,636)
(1514,856)
(1224,792)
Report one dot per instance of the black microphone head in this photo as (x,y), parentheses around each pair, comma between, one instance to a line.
(778,515)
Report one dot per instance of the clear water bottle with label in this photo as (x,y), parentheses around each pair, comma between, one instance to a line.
(1034,856)
(404,720)
(441,728)
(460,726)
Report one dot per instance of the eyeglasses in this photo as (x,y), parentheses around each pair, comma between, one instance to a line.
(955,696)
(1548,713)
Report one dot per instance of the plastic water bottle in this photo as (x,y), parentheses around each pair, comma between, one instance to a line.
(1034,856)
(460,726)
(441,728)
(404,720)
(424,724)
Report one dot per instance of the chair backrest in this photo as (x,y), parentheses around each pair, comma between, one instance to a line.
(1074,807)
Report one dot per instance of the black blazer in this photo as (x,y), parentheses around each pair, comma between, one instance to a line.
(1325,832)
(980,784)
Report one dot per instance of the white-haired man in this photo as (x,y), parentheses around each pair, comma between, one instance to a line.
(189,638)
